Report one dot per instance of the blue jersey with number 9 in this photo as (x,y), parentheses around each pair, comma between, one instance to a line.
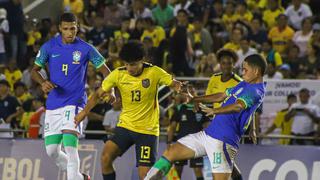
(67,65)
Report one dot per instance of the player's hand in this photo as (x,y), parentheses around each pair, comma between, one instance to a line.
(47,86)
(108,97)
(177,85)
(207,110)
(79,117)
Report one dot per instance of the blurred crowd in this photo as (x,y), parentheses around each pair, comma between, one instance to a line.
(181,36)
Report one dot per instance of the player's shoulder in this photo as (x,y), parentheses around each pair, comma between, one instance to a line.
(122,68)
(84,43)
(217,74)
(237,78)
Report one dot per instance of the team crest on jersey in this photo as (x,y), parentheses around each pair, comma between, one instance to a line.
(145,83)
(238,91)
(76,55)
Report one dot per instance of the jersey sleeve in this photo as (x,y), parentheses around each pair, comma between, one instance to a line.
(165,78)
(110,81)
(42,56)
(209,88)
(249,97)
(96,58)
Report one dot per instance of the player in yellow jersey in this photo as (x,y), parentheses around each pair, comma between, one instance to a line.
(219,82)
(138,124)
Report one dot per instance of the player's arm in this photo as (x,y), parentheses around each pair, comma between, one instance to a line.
(238,106)
(104,70)
(213,98)
(92,102)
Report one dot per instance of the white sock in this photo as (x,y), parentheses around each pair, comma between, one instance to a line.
(73,167)
(60,158)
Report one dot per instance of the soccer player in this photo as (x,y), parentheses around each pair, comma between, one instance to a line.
(138,124)
(220,140)
(66,57)
(220,82)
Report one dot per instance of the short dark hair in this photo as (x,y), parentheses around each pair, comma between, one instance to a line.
(68,17)
(132,51)
(291,96)
(304,90)
(19,84)
(5,82)
(258,61)
(183,11)
(228,53)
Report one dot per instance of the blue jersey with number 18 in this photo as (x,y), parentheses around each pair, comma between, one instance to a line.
(67,65)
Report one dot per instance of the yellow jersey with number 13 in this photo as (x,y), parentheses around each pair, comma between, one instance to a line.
(139,95)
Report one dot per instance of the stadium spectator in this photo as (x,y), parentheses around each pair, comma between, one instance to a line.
(201,37)
(281,35)
(4,30)
(99,33)
(74,6)
(302,37)
(12,73)
(311,63)
(296,12)
(271,13)
(34,126)
(257,34)
(21,92)
(111,118)
(294,61)
(235,38)
(16,29)
(271,55)
(139,10)
(10,108)
(280,122)
(305,116)
(272,72)
(94,9)
(26,115)
(123,32)
(180,52)
(137,30)
(315,39)
(163,13)
(242,13)
(181,4)
(157,33)
(114,12)
(207,65)
(244,51)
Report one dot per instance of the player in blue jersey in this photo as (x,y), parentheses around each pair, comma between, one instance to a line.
(66,57)
(220,140)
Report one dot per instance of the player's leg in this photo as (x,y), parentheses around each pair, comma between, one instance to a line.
(197,165)
(53,138)
(70,141)
(236,173)
(187,147)
(146,152)
(116,146)
(221,157)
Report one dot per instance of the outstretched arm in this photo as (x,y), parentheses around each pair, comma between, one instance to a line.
(212,98)
(91,104)
(238,106)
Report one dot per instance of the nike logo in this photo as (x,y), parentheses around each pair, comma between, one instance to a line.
(55,55)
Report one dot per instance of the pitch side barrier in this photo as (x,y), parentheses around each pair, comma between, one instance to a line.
(27,160)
